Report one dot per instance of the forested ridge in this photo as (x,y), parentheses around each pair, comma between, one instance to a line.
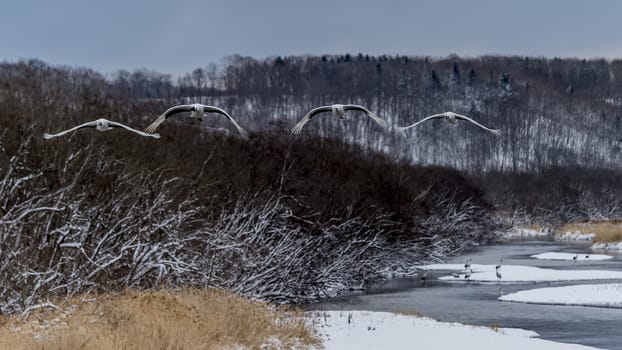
(553,112)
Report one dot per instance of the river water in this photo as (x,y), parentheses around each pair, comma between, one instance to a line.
(477,304)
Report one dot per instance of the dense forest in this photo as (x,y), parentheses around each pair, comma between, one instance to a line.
(292,218)
(553,112)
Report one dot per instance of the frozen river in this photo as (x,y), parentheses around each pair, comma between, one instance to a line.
(477,304)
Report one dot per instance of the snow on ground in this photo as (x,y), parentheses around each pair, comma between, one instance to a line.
(603,295)
(344,330)
(571,256)
(575,236)
(518,273)
(608,246)
(521,232)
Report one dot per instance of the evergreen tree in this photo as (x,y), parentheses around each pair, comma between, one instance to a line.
(436,83)
(455,74)
(472,78)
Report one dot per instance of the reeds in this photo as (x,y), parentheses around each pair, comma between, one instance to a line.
(166,319)
(606,231)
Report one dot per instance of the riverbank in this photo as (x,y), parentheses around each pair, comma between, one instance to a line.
(166,319)
(210,319)
(604,234)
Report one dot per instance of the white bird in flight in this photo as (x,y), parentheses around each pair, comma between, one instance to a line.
(196,110)
(338,111)
(450,117)
(101,125)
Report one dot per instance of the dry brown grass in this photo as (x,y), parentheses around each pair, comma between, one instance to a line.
(535,227)
(606,231)
(495,327)
(408,312)
(171,320)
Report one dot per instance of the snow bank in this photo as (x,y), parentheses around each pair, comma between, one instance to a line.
(608,246)
(520,232)
(575,236)
(571,257)
(603,295)
(517,273)
(344,330)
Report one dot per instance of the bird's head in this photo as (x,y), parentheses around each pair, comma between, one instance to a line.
(196,110)
(338,110)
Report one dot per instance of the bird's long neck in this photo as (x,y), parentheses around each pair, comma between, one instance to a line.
(102,126)
(197,110)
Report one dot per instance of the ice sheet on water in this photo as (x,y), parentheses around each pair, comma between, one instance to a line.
(602,295)
(571,256)
(346,330)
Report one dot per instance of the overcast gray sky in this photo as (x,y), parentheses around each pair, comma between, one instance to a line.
(178,36)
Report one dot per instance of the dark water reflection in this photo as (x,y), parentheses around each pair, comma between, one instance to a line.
(477,304)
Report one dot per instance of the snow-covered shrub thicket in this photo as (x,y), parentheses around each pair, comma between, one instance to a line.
(555,196)
(61,240)
(262,250)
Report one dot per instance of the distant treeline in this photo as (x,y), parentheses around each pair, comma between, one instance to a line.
(553,112)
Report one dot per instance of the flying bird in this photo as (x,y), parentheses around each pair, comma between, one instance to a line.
(196,110)
(450,117)
(101,125)
(338,111)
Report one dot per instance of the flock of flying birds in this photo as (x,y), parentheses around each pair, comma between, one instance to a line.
(199,110)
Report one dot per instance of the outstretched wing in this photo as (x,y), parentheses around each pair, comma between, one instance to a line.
(375,118)
(463,117)
(434,116)
(119,125)
(85,125)
(298,127)
(168,113)
(241,130)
